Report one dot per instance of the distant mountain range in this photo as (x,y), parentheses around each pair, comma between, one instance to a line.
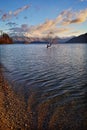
(79,39)
(23,39)
(26,40)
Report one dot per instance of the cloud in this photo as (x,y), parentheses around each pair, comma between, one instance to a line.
(24,27)
(11,24)
(57,26)
(48,26)
(10,14)
(20,10)
(82,0)
(1,11)
(16,30)
(75,17)
(25,17)
(6,16)
(19,30)
(78,20)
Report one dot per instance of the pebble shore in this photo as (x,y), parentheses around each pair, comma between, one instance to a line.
(16,115)
(13,115)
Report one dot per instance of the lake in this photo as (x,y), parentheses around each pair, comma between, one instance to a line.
(53,82)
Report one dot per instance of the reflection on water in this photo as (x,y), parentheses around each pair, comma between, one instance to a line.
(52,81)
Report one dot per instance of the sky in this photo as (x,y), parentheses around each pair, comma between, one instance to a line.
(39,18)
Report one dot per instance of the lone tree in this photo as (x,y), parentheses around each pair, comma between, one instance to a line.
(49,37)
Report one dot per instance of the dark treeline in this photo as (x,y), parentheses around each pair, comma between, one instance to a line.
(5,39)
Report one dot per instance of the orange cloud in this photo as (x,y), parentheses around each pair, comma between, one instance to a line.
(48,26)
(56,26)
(76,17)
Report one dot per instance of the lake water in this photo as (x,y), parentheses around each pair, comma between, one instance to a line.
(53,81)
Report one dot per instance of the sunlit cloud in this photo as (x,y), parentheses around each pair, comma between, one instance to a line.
(58,26)
(20,10)
(10,14)
(75,17)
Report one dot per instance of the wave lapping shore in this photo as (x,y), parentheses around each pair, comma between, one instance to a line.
(15,114)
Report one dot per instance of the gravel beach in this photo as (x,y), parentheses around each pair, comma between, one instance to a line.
(16,115)
(13,115)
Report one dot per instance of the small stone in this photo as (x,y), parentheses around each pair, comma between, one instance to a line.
(25,125)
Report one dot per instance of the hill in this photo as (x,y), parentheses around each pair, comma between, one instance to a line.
(36,40)
(23,39)
(79,39)
(5,39)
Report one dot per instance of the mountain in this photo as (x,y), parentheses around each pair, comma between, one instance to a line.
(23,39)
(36,40)
(64,39)
(79,39)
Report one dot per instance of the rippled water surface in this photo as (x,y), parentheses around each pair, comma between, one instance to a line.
(51,80)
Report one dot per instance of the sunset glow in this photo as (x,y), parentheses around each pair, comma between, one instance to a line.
(38,18)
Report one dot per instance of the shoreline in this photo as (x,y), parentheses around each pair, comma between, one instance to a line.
(15,115)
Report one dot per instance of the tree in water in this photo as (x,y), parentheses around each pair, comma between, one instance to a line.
(50,39)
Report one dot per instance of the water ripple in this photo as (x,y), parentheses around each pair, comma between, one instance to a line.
(58,73)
